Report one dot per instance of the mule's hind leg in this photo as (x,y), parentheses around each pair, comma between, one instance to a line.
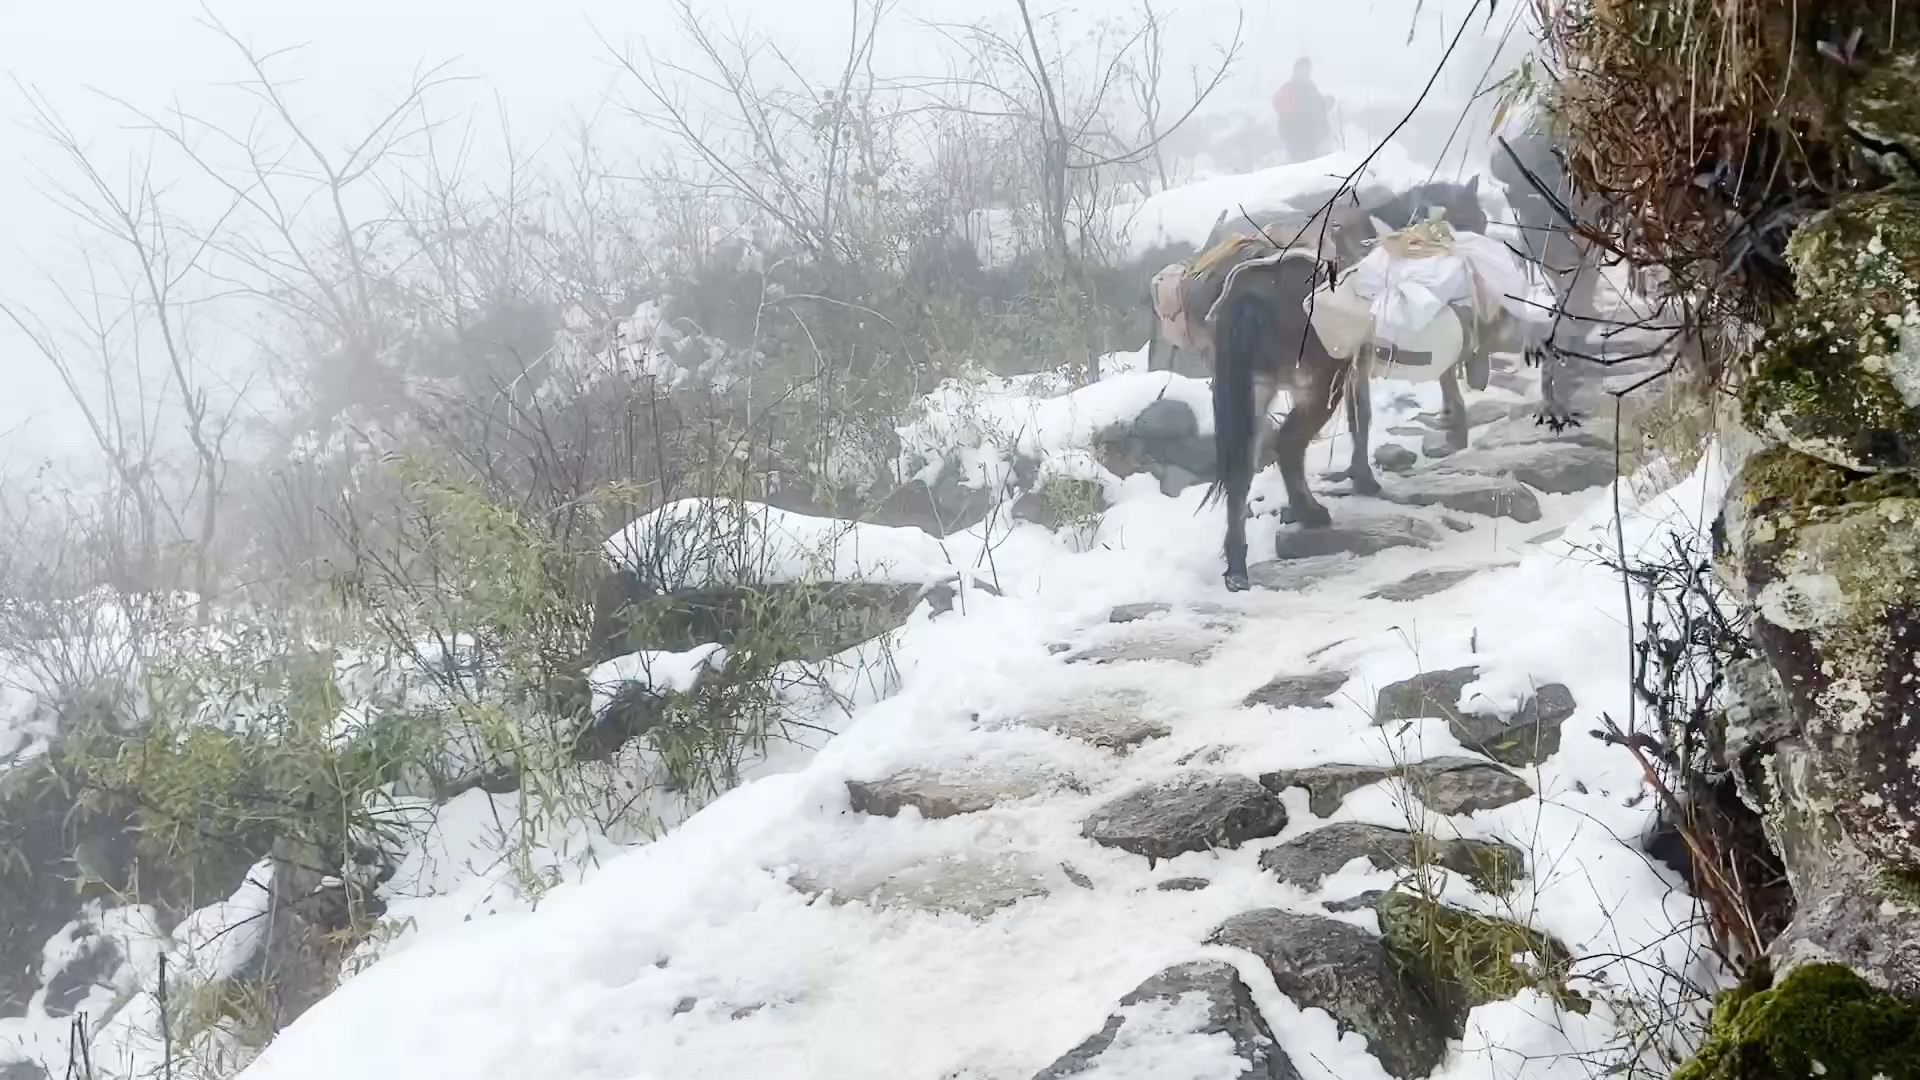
(1360,423)
(1453,410)
(1264,389)
(1314,398)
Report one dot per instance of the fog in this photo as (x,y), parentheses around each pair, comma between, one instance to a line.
(532,75)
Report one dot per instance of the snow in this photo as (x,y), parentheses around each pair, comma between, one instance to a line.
(698,542)
(978,426)
(1187,214)
(1159,1040)
(697,955)
(663,672)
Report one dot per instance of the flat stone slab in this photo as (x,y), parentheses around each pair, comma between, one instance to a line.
(1196,812)
(1310,691)
(1558,468)
(1200,1000)
(942,794)
(969,885)
(1357,531)
(1467,493)
(1323,963)
(1293,575)
(1421,584)
(1126,613)
(1112,721)
(1447,785)
(1173,644)
(1311,857)
(1183,884)
(1480,411)
(1528,736)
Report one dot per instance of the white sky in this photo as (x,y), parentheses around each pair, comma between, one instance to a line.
(543,63)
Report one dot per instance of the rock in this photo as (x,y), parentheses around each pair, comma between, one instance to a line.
(1111,721)
(1183,884)
(1487,496)
(1455,524)
(1197,812)
(1480,411)
(22,1069)
(1547,537)
(92,963)
(1557,468)
(1430,693)
(1175,644)
(1323,963)
(1447,785)
(1467,959)
(942,510)
(1163,440)
(1408,431)
(1825,380)
(1230,1011)
(1464,785)
(1358,533)
(1362,902)
(946,794)
(1421,584)
(1326,785)
(1061,502)
(1528,737)
(1299,691)
(966,885)
(1307,859)
(1166,421)
(1293,575)
(1392,457)
(1126,613)
(1821,1019)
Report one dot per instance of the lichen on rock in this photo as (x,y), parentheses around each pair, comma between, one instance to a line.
(1820,1020)
(1837,375)
(1830,560)
(1883,112)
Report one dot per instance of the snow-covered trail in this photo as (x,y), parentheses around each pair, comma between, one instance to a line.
(793,929)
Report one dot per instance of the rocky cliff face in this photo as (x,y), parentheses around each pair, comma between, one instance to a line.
(1821,536)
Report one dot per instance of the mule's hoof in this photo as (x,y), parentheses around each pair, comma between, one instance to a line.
(1236,582)
(1365,484)
(1557,418)
(1307,517)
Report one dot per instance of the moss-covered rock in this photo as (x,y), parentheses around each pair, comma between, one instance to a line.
(1822,1020)
(1838,374)
(1830,561)
(1468,959)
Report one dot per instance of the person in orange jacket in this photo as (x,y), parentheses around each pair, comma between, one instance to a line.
(1305,114)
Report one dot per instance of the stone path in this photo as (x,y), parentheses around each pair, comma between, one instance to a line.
(1385,984)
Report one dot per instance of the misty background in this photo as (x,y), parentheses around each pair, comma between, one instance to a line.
(533,78)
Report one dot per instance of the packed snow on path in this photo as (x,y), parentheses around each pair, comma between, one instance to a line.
(698,955)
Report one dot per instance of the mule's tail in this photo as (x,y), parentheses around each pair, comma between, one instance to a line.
(1246,322)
